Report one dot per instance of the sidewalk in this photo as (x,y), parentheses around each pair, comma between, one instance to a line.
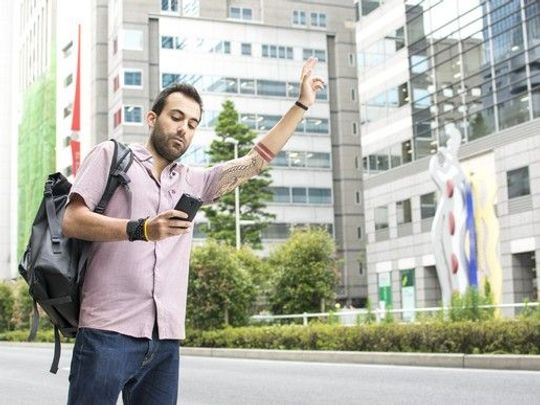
(454,360)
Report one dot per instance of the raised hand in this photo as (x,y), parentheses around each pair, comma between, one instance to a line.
(309,84)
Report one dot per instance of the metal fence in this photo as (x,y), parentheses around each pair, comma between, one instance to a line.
(355,316)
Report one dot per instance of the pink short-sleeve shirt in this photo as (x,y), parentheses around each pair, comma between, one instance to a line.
(130,286)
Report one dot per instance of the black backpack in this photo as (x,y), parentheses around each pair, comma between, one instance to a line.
(54,266)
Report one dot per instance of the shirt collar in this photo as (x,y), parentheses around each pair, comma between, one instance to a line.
(143,155)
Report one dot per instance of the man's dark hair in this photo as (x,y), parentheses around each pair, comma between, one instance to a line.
(186,89)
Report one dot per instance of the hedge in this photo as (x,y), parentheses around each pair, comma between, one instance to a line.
(508,336)
(518,337)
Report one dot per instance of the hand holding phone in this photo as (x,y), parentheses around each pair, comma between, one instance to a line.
(188,204)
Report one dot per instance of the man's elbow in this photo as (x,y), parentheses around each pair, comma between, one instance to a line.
(68,223)
(73,215)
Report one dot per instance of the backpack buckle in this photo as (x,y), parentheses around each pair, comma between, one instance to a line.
(124,179)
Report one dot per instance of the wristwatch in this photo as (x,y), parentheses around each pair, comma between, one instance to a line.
(135,230)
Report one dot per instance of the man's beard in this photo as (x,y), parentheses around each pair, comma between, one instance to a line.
(160,142)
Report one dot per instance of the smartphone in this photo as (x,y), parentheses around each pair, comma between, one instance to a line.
(189,205)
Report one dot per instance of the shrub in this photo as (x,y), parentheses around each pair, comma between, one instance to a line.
(7,303)
(519,337)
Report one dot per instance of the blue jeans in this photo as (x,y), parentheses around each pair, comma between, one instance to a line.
(106,363)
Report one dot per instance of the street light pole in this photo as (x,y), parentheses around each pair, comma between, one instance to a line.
(236,196)
(237,202)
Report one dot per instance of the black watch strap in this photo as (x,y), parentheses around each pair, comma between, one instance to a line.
(135,230)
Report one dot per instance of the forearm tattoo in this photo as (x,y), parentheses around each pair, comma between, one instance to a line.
(238,171)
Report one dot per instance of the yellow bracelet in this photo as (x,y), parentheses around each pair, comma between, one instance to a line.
(145,230)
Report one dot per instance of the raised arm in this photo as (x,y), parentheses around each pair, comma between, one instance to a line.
(238,171)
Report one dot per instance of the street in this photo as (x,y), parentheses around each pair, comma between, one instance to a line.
(24,379)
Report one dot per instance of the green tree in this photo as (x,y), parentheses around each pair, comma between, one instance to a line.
(253,194)
(307,272)
(7,303)
(261,274)
(221,291)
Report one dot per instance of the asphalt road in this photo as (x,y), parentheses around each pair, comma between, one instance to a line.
(24,379)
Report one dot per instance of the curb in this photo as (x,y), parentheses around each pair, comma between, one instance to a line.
(451,360)
(448,360)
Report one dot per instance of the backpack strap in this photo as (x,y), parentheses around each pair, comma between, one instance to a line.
(54,224)
(121,162)
(56,358)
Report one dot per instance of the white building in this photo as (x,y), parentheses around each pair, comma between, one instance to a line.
(247,51)
(8,106)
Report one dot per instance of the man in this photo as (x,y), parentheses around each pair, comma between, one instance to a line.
(134,294)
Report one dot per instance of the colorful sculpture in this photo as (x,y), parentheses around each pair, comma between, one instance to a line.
(453,225)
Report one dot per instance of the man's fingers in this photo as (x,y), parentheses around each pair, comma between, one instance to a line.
(179,223)
(308,66)
(176,214)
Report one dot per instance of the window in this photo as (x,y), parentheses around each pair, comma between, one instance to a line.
(318,20)
(132,114)
(355,128)
(246,49)
(115,45)
(318,160)
(299,195)
(277,51)
(271,88)
(132,40)
(299,17)
(133,78)
(281,159)
(241,13)
(191,8)
(404,215)
(381,218)
(276,231)
(117,119)
(68,49)
(427,205)
(169,78)
(280,195)
(167,42)
(353,95)
(320,196)
(359,232)
(317,125)
(68,80)
(116,83)
(518,182)
(320,54)
(367,6)
(169,5)
(67,110)
(297,159)
(247,86)
(351,59)
(222,47)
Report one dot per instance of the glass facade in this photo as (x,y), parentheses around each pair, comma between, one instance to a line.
(472,64)
(301,195)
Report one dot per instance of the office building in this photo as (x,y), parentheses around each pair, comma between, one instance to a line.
(421,66)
